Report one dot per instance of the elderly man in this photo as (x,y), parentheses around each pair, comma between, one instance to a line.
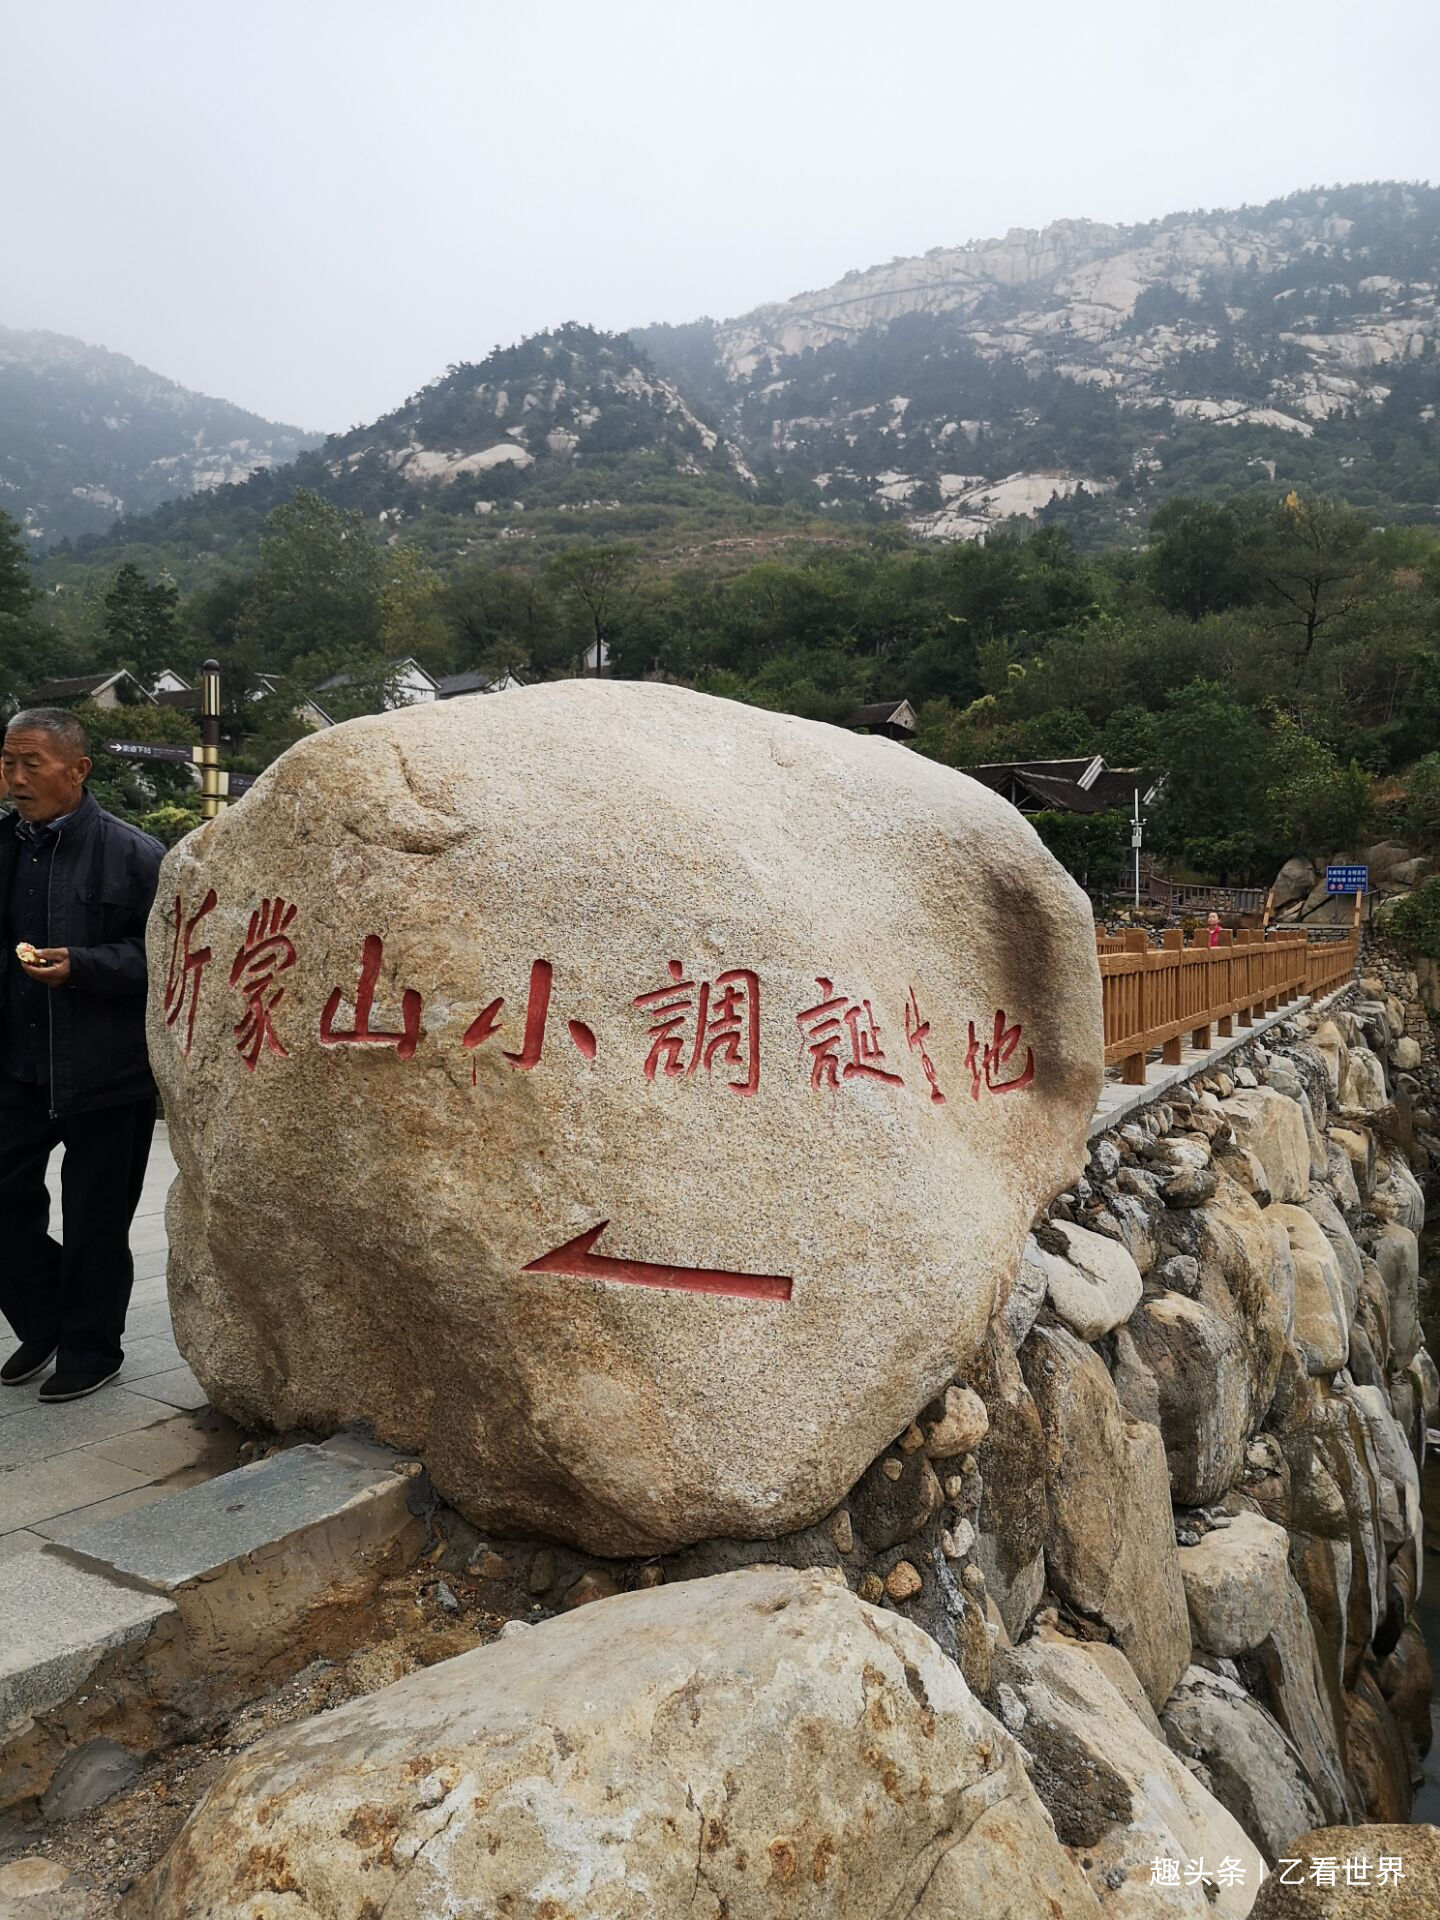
(76,886)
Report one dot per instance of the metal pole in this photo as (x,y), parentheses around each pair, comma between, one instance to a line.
(1135,843)
(210,801)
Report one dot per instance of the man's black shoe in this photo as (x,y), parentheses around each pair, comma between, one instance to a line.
(28,1359)
(74,1386)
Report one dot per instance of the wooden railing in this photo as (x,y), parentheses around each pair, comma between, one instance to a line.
(1155,996)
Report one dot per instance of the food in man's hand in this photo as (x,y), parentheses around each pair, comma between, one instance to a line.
(28,956)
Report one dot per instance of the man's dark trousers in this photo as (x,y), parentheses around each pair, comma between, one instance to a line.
(74,1297)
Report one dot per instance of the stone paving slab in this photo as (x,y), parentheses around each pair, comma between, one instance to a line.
(56,1622)
(33,1434)
(58,1464)
(209,1526)
(97,1510)
(42,1489)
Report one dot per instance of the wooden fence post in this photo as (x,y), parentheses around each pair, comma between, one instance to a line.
(1173,941)
(1137,942)
(1225,1026)
(1200,941)
(1243,967)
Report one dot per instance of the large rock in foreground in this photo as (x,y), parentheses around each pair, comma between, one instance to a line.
(630,1101)
(1400,1868)
(756,1744)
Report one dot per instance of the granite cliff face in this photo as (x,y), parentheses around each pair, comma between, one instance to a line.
(979,381)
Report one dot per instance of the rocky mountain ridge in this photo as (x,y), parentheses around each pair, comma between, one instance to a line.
(1082,373)
(87,435)
(978,381)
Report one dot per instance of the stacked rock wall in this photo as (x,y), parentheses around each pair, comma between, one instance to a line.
(1183,1474)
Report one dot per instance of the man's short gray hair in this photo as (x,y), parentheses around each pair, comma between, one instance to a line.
(57,720)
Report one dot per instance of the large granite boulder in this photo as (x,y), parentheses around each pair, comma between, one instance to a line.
(1272,1126)
(1235,1584)
(1123,1803)
(756,1744)
(630,1101)
(1254,1771)
(1182,1368)
(1110,1548)
(1395,1876)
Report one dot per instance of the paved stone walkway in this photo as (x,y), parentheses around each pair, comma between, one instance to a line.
(148,1435)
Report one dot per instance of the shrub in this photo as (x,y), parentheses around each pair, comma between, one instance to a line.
(1414,922)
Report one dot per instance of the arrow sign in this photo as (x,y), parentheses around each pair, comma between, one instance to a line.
(146,750)
(578,1259)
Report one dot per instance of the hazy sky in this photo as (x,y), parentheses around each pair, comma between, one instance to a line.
(310,207)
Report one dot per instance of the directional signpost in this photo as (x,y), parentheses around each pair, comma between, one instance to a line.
(215,782)
(144,750)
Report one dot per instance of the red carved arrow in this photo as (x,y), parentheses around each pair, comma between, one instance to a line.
(577,1258)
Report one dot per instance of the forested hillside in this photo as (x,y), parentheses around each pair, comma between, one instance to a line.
(87,436)
(1279,658)
(1197,528)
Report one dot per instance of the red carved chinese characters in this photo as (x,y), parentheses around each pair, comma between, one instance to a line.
(362,1034)
(726,1020)
(917,1031)
(267,952)
(537,1012)
(187,967)
(837,1022)
(986,1067)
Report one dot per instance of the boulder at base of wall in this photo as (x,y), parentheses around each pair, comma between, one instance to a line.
(1322,1326)
(1120,1799)
(1396,1194)
(1254,1771)
(1299,1699)
(1364,1087)
(576,978)
(1235,1584)
(1397,1255)
(1358,1145)
(1271,1125)
(1201,1381)
(1110,1538)
(1414,1896)
(1094,1285)
(750,1744)
(1010,1524)
(1322,1209)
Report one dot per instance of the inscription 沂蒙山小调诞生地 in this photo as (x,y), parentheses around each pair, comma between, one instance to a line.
(690,1025)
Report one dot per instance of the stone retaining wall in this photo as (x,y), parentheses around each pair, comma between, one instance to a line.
(1188,1458)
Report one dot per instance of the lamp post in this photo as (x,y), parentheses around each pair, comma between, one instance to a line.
(211,784)
(1136,835)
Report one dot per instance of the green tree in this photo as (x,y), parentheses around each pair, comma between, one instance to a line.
(504,618)
(316,589)
(27,651)
(1310,560)
(1211,749)
(1421,812)
(136,788)
(141,631)
(594,584)
(1313,804)
(414,615)
(1196,562)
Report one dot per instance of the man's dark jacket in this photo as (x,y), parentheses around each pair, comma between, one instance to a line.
(102,883)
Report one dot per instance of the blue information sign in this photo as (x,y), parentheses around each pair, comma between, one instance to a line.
(1347,879)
